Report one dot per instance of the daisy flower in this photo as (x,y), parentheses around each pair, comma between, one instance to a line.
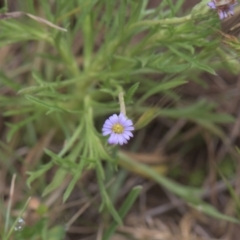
(119,127)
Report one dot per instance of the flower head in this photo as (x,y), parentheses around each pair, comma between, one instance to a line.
(119,127)
(224,10)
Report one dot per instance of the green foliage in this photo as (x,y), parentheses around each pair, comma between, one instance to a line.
(71,85)
(123,211)
(41,230)
(189,194)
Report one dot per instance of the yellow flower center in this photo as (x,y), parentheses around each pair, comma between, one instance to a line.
(118,128)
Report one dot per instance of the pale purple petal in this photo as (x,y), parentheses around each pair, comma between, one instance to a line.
(225,14)
(106,132)
(231,12)
(122,118)
(126,136)
(113,118)
(128,123)
(212,5)
(108,123)
(221,15)
(231,9)
(110,139)
(106,128)
(128,133)
(129,128)
(113,139)
(120,139)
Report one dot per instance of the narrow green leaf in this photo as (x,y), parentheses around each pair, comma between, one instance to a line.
(36,75)
(76,177)
(131,91)
(16,221)
(126,206)
(212,212)
(189,194)
(8,82)
(192,60)
(16,127)
(160,88)
(105,198)
(56,182)
(36,174)
(47,104)
(180,190)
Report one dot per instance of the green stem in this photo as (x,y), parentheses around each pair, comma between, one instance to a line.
(121,102)
(88,42)
(167,21)
(10,202)
(65,52)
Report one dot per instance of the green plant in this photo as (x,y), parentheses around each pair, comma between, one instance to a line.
(70,81)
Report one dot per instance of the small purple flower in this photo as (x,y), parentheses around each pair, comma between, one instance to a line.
(212,5)
(119,127)
(224,10)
